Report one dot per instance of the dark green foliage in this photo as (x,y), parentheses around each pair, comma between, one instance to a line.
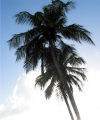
(73,73)
(46,25)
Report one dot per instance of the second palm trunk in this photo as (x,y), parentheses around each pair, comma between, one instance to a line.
(62,78)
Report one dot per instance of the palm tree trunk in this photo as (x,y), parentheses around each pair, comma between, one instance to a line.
(42,66)
(66,101)
(42,61)
(62,78)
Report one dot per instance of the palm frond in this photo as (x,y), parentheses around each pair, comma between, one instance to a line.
(77,73)
(38,19)
(19,39)
(43,79)
(77,33)
(66,48)
(24,17)
(49,89)
(28,64)
(80,69)
(20,53)
(74,60)
(77,84)
(73,80)
(69,55)
(61,5)
(59,88)
(69,5)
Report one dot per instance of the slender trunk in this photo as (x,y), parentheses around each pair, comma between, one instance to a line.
(66,101)
(42,66)
(42,61)
(62,78)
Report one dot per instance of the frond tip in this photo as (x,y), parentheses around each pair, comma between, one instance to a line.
(77,32)
(24,17)
(49,90)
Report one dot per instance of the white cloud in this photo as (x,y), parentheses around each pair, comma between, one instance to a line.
(2,107)
(28,102)
(89,101)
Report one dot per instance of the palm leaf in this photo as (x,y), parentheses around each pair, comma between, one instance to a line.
(19,39)
(49,89)
(24,17)
(77,33)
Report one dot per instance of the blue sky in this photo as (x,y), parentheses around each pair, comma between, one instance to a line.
(10,69)
(86,13)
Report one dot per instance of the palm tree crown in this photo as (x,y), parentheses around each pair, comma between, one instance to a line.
(70,64)
(46,25)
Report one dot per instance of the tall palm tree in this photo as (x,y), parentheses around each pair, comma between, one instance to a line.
(70,64)
(48,28)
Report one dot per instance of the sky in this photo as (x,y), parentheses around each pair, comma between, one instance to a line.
(18,97)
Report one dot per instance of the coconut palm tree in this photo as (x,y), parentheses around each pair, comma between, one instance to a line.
(47,29)
(70,62)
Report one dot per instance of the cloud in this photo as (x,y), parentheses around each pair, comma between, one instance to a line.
(2,107)
(28,102)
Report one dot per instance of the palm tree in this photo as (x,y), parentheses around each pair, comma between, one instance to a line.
(48,29)
(70,65)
